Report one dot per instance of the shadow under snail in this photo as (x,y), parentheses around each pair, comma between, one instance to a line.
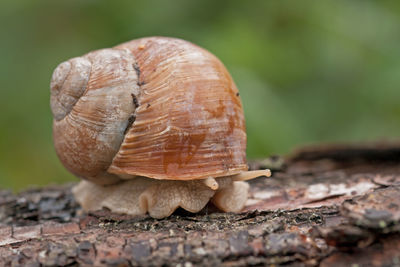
(151,125)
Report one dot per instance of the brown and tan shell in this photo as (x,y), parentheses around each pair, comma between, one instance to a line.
(157,107)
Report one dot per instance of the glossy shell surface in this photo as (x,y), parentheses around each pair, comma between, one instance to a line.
(156,107)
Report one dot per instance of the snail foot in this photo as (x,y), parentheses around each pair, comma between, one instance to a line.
(141,195)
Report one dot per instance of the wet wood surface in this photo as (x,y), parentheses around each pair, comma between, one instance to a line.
(323,206)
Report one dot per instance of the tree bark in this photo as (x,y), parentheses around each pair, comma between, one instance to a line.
(324,205)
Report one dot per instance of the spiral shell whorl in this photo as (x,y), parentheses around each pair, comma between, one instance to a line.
(91,100)
(68,84)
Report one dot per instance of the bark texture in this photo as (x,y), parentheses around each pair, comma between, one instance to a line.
(324,205)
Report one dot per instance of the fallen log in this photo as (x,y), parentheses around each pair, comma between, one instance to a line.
(324,205)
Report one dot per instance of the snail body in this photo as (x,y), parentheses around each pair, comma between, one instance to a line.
(156,123)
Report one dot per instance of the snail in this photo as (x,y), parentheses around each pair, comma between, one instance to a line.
(151,125)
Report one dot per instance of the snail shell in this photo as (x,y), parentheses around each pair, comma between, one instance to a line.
(155,107)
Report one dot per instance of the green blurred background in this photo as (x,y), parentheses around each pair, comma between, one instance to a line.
(308,71)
